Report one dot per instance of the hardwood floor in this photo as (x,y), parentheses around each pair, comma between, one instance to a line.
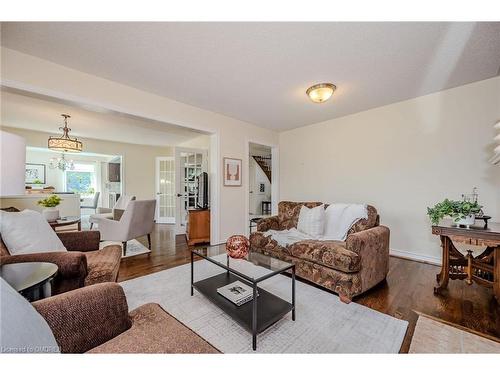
(408,288)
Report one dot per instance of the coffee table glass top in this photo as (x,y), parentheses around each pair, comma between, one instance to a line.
(266,265)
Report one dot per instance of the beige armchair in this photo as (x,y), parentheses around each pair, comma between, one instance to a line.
(137,221)
(110,213)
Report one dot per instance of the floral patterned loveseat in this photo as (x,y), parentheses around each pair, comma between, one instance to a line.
(348,268)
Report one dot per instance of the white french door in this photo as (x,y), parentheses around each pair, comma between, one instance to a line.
(165,190)
(189,164)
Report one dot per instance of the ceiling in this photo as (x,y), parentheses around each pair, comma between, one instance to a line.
(42,114)
(259,72)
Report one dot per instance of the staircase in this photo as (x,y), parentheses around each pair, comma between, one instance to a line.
(264,163)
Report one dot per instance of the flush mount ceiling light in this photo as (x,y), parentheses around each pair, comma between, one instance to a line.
(321,92)
(64,143)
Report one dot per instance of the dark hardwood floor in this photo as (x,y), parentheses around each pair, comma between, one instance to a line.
(408,288)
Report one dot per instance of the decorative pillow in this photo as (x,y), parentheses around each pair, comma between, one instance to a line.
(312,221)
(22,329)
(27,232)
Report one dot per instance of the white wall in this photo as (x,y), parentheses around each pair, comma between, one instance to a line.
(41,76)
(401,158)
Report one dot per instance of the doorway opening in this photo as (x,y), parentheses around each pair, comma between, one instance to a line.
(260,182)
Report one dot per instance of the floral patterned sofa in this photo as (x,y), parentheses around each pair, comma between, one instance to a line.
(348,268)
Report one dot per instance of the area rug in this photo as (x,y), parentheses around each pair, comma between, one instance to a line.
(134,248)
(434,336)
(323,323)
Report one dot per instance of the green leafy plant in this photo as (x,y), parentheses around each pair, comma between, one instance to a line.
(52,201)
(37,182)
(457,210)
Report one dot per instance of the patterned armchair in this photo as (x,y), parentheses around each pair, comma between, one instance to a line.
(348,268)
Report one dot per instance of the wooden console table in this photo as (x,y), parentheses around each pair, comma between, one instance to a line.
(483,269)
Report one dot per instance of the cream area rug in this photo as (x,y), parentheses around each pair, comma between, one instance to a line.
(134,248)
(433,336)
(323,324)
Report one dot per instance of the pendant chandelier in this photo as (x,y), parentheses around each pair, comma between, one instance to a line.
(61,163)
(64,143)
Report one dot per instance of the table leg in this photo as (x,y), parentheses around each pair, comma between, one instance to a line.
(80,226)
(192,272)
(469,267)
(293,293)
(254,318)
(444,276)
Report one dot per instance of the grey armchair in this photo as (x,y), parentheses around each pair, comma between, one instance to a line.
(136,221)
(95,201)
(110,213)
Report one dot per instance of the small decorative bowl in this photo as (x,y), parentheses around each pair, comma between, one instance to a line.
(237,246)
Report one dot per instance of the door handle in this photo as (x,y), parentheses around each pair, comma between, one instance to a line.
(179,195)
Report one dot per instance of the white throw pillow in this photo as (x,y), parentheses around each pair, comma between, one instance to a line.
(27,232)
(312,221)
(22,328)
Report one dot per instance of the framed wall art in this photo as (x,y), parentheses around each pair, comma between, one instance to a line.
(232,172)
(35,173)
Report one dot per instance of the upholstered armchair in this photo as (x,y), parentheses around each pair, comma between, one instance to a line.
(83,263)
(95,201)
(136,221)
(111,213)
(94,319)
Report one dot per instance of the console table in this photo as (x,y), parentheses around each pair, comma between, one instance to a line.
(483,269)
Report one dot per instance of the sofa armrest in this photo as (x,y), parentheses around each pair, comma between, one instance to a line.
(369,240)
(85,318)
(70,264)
(81,241)
(267,223)
(103,210)
(372,245)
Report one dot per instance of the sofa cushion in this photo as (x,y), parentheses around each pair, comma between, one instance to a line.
(155,331)
(103,265)
(288,212)
(327,253)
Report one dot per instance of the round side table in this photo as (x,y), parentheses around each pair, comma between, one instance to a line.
(31,279)
(68,220)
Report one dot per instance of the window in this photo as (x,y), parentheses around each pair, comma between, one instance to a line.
(81,180)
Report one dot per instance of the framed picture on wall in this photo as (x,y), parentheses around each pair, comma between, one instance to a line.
(35,173)
(232,172)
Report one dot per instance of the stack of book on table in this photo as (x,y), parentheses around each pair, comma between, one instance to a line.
(237,292)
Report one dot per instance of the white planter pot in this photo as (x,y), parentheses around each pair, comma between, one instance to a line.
(50,214)
(467,221)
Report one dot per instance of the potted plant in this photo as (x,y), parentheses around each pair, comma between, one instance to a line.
(461,212)
(50,213)
(37,184)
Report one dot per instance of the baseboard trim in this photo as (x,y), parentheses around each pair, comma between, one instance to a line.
(414,256)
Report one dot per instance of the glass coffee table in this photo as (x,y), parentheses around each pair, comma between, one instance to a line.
(265,308)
